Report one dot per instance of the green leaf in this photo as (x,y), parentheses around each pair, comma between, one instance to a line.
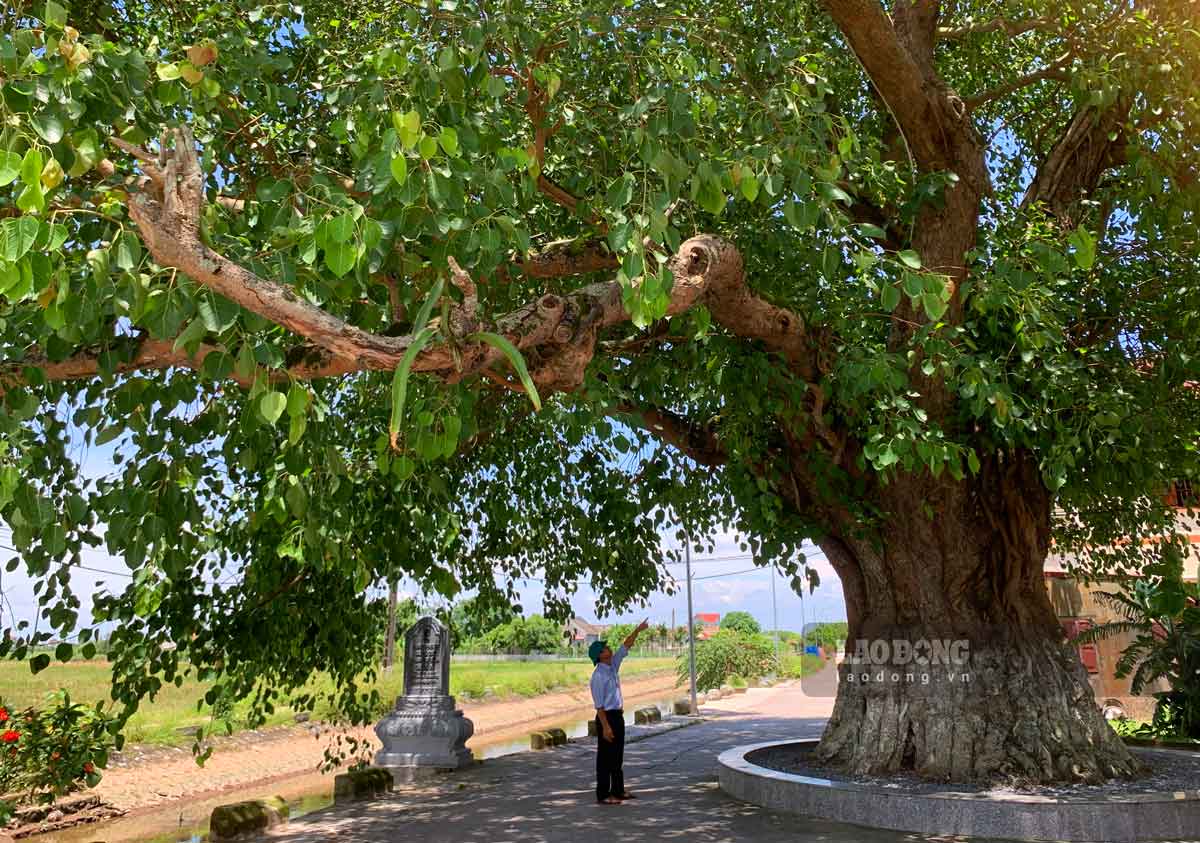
(449,141)
(872,230)
(31,168)
(399,169)
(39,662)
(914,284)
(128,250)
(63,652)
(18,237)
(341,228)
(400,378)
(408,128)
(10,277)
(86,146)
(427,148)
(834,193)
(973,461)
(435,293)
(934,306)
(272,404)
(340,258)
(620,192)
(1085,248)
(55,16)
(749,186)
(711,198)
(190,336)
(400,381)
(168,72)
(515,360)
(32,199)
(891,297)
(48,125)
(297,400)
(10,168)
(909,258)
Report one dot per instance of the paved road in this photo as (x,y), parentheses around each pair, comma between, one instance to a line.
(547,797)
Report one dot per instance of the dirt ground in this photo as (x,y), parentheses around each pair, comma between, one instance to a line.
(149,778)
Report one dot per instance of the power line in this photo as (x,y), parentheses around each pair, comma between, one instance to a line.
(79,565)
(728,574)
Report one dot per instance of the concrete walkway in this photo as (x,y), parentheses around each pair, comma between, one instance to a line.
(547,797)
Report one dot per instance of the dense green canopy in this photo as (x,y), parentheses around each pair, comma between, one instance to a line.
(301,346)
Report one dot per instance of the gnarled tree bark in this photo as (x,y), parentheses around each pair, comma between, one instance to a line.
(963,673)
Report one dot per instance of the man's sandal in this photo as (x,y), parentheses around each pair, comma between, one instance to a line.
(612,800)
(627,795)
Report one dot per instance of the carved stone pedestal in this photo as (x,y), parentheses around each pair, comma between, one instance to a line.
(425,732)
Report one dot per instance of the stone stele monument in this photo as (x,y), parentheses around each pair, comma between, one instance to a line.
(424,733)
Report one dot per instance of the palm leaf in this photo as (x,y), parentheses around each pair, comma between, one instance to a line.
(421,338)
(515,360)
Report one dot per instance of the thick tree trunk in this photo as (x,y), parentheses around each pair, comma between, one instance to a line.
(956,665)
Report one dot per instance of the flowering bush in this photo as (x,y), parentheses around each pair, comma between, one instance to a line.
(49,752)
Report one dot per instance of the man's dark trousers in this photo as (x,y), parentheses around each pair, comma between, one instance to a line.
(610,755)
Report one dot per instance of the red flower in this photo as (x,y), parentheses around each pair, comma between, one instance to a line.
(3,714)
(89,768)
(10,736)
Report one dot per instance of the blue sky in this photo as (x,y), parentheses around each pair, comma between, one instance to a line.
(725,579)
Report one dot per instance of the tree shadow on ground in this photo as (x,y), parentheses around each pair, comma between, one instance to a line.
(547,797)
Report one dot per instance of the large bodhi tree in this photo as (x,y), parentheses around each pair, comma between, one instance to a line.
(476,291)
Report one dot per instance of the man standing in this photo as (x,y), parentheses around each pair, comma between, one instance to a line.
(610,718)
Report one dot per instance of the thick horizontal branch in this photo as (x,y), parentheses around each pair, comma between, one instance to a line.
(698,442)
(149,355)
(1056,71)
(157,355)
(570,257)
(557,334)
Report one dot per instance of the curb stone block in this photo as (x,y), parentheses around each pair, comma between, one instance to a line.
(593,728)
(558,737)
(247,817)
(683,707)
(541,740)
(645,716)
(361,784)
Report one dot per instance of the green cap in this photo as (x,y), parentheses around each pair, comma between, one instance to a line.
(595,650)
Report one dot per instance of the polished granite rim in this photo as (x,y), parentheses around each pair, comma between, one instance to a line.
(1135,816)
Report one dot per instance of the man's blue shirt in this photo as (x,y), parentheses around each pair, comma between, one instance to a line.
(606,683)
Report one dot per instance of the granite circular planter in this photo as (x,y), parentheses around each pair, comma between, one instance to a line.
(1126,818)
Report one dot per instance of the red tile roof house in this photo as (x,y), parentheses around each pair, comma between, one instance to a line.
(709,623)
(581,633)
(1077,609)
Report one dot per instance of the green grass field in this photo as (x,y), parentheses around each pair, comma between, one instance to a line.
(175,708)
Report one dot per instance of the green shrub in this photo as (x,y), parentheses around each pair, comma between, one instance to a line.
(1162,613)
(730,653)
(795,665)
(49,752)
(742,622)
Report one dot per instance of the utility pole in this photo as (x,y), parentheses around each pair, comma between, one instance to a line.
(775,617)
(389,642)
(803,625)
(687,550)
